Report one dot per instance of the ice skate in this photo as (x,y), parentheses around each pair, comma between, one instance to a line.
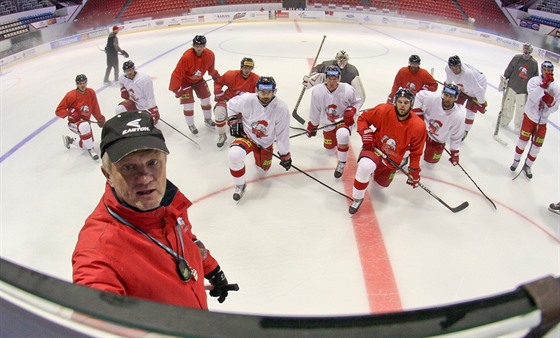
(209,123)
(221,140)
(239,191)
(93,154)
(193,129)
(514,165)
(527,171)
(555,208)
(339,169)
(67,141)
(355,205)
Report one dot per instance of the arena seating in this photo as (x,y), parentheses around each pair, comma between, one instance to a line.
(99,13)
(155,9)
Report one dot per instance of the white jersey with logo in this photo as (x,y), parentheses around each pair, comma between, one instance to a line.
(470,81)
(328,107)
(263,125)
(441,125)
(534,97)
(140,90)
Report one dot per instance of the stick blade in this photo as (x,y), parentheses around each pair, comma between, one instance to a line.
(502,142)
(297,117)
(464,205)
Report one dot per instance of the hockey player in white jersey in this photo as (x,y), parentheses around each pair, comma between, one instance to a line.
(543,99)
(333,106)
(137,90)
(472,84)
(256,121)
(444,122)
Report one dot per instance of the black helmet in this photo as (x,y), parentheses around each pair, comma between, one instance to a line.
(414,59)
(451,89)
(404,92)
(333,70)
(127,65)
(247,62)
(454,61)
(266,83)
(548,65)
(199,40)
(81,78)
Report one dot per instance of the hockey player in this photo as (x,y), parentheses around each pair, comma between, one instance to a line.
(472,84)
(444,121)
(137,90)
(514,82)
(256,121)
(112,49)
(333,106)
(348,74)
(414,78)
(188,77)
(397,130)
(543,99)
(237,82)
(78,105)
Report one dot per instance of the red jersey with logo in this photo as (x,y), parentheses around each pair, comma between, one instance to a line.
(236,84)
(191,68)
(86,103)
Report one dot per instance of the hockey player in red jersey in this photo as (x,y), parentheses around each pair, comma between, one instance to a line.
(397,130)
(237,82)
(137,90)
(414,78)
(188,76)
(78,105)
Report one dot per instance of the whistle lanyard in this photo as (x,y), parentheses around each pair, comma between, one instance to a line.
(184,269)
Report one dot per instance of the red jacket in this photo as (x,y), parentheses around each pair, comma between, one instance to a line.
(113,257)
(79,101)
(395,137)
(235,84)
(421,80)
(191,68)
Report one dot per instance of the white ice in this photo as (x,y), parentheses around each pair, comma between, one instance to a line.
(290,243)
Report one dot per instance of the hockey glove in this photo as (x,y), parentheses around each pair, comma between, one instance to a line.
(235,126)
(74,115)
(218,279)
(124,53)
(313,79)
(349,116)
(454,159)
(124,93)
(286,161)
(413,177)
(154,111)
(101,121)
(548,99)
(311,129)
(367,139)
(547,79)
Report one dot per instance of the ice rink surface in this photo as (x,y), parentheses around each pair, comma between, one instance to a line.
(290,243)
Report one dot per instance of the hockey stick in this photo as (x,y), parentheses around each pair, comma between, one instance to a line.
(319,128)
(227,287)
(460,166)
(393,163)
(294,113)
(311,177)
(496,136)
(177,130)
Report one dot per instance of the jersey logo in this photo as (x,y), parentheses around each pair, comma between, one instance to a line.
(433,126)
(389,145)
(331,112)
(523,71)
(260,128)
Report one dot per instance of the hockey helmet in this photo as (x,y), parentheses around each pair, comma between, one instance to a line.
(333,70)
(454,61)
(342,55)
(548,65)
(414,59)
(266,83)
(247,62)
(127,65)
(527,48)
(199,40)
(451,89)
(404,92)
(81,78)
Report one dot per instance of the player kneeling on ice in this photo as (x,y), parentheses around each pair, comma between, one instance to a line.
(444,121)
(255,121)
(396,130)
(333,107)
(78,105)
(137,90)
(543,99)
(138,241)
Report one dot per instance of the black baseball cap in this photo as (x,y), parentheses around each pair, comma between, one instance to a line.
(128,132)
